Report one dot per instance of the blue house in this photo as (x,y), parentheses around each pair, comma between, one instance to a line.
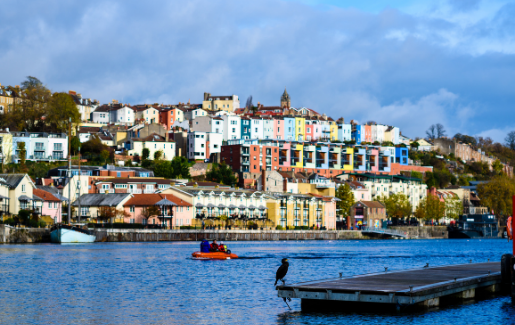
(401,156)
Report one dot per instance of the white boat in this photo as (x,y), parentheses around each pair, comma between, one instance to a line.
(70,234)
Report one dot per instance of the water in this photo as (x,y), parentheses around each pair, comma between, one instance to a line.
(157,283)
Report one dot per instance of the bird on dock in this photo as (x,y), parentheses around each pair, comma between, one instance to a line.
(281,271)
(427,265)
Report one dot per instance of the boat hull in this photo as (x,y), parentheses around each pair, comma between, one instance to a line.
(63,235)
(214,256)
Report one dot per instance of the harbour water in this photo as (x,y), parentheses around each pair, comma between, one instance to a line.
(158,283)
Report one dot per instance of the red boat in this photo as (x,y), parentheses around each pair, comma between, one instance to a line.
(214,256)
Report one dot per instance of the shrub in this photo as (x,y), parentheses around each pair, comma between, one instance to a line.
(279,228)
(301,228)
(187,227)
(24,216)
(8,221)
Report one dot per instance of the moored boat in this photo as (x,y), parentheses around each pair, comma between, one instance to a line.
(214,256)
(70,234)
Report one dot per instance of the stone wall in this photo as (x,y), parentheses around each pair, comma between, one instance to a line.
(10,235)
(140,235)
(425,232)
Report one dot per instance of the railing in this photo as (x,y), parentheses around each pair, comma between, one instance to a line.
(134,191)
(390,232)
(149,191)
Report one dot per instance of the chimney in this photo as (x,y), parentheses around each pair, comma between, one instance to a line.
(167,135)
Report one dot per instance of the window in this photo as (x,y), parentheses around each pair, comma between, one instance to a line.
(23,188)
(55,205)
(50,205)
(131,209)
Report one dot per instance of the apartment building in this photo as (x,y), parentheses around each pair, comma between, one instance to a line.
(40,146)
(220,103)
(133,185)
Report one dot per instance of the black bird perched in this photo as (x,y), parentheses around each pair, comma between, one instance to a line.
(281,271)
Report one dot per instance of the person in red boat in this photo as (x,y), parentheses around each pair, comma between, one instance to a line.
(221,247)
(214,247)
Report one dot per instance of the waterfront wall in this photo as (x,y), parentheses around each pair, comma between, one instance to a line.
(425,232)
(141,235)
(11,235)
(42,235)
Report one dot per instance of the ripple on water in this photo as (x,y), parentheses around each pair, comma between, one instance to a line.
(158,283)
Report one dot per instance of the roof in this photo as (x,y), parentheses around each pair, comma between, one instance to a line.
(45,196)
(152,199)
(12,180)
(134,180)
(371,204)
(154,137)
(101,199)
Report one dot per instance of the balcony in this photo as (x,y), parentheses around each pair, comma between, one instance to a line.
(149,191)
(134,191)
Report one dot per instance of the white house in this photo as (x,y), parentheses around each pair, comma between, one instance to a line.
(153,143)
(41,145)
(202,144)
(231,127)
(256,128)
(147,114)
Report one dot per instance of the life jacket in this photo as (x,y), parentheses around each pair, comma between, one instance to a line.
(509,230)
(214,246)
(221,248)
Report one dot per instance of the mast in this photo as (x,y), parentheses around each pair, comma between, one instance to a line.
(79,186)
(69,170)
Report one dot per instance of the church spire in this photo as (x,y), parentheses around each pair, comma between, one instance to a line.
(285,99)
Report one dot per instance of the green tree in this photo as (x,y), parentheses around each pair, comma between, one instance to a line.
(163,168)
(180,167)
(60,110)
(397,205)
(150,211)
(32,106)
(453,207)
(497,194)
(22,155)
(145,153)
(344,193)
(158,154)
(104,154)
(75,145)
(221,174)
(433,207)
(93,146)
(497,167)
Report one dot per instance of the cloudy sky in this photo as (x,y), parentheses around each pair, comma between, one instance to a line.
(405,63)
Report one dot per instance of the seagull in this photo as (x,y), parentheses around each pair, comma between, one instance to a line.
(281,271)
(427,265)
(385,268)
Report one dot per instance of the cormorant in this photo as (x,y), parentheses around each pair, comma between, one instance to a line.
(281,271)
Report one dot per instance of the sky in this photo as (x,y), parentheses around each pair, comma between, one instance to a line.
(404,63)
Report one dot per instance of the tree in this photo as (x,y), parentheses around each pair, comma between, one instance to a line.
(60,110)
(415,145)
(163,168)
(221,174)
(453,207)
(32,106)
(510,140)
(431,133)
(180,167)
(150,211)
(497,194)
(249,104)
(420,212)
(93,146)
(397,205)
(440,131)
(145,153)
(75,145)
(434,209)
(158,154)
(104,154)
(22,155)
(497,167)
(344,193)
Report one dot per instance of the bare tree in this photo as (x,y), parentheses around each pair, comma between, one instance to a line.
(510,140)
(431,133)
(371,122)
(249,104)
(440,131)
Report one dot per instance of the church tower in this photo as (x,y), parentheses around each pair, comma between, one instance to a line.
(285,99)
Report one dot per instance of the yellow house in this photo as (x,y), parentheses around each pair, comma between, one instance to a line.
(94,206)
(20,191)
(300,128)
(7,95)
(220,103)
(300,210)
(153,143)
(333,127)
(6,148)
(348,158)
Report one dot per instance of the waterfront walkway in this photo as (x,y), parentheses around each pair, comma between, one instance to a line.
(425,286)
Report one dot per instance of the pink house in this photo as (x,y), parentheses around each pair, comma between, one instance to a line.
(373,160)
(52,206)
(173,212)
(278,129)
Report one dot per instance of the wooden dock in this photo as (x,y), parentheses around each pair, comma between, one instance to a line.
(421,286)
